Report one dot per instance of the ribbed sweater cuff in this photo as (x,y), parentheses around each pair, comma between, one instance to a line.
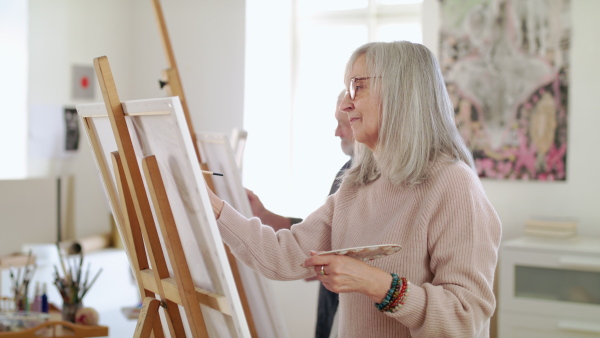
(413,310)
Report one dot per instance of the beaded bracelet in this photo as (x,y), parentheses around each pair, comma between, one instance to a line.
(401,299)
(390,294)
(396,296)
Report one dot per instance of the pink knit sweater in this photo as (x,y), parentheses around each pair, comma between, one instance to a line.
(449,232)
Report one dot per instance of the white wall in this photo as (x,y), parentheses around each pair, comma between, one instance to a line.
(208,41)
(579,195)
(18,223)
(207,38)
(65,33)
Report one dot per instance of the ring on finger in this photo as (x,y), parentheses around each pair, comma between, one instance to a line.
(322,272)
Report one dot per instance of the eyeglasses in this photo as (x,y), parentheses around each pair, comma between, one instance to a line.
(352,90)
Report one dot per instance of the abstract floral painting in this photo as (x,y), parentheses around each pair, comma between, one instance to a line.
(506,66)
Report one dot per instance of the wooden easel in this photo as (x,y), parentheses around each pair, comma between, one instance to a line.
(141,236)
(172,84)
(171,81)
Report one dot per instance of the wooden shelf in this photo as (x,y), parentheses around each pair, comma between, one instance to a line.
(59,329)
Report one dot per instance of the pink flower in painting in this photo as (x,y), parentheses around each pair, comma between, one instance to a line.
(525,156)
(485,167)
(478,167)
(504,168)
(554,160)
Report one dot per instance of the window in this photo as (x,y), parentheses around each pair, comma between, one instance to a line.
(13,89)
(324,34)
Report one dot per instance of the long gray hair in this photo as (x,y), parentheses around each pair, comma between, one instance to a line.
(417,125)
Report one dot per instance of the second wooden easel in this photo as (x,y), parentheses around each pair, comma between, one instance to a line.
(173,85)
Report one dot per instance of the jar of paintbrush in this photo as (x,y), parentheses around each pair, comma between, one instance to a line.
(20,278)
(73,284)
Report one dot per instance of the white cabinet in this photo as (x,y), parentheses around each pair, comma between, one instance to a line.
(549,288)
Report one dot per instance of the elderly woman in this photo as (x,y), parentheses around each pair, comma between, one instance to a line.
(412,183)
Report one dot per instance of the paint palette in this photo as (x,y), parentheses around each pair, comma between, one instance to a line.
(366,253)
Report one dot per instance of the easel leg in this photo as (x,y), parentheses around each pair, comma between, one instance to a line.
(148,314)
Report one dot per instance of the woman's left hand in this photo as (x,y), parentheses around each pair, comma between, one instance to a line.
(341,274)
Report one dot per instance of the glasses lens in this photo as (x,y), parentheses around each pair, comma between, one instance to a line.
(352,90)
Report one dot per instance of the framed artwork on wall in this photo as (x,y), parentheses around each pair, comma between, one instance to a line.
(506,66)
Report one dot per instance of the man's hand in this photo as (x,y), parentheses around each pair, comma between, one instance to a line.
(258,209)
(273,220)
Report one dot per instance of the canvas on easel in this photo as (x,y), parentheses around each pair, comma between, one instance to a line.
(259,306)
(238,145)
(161,144)
(216,151)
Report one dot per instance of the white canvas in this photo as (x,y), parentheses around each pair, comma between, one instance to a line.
(238,145)
(217,153)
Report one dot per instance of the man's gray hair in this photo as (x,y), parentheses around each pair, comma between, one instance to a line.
(417,121)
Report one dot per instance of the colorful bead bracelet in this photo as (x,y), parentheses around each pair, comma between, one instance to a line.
(396,295)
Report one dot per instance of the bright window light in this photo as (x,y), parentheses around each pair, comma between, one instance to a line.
(13,89)
(410,31)
(296,53)
(399,2)
(314,6)
(267,101)
(322,52)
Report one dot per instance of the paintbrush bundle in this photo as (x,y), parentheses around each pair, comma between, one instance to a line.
(74,283)
(20,278)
